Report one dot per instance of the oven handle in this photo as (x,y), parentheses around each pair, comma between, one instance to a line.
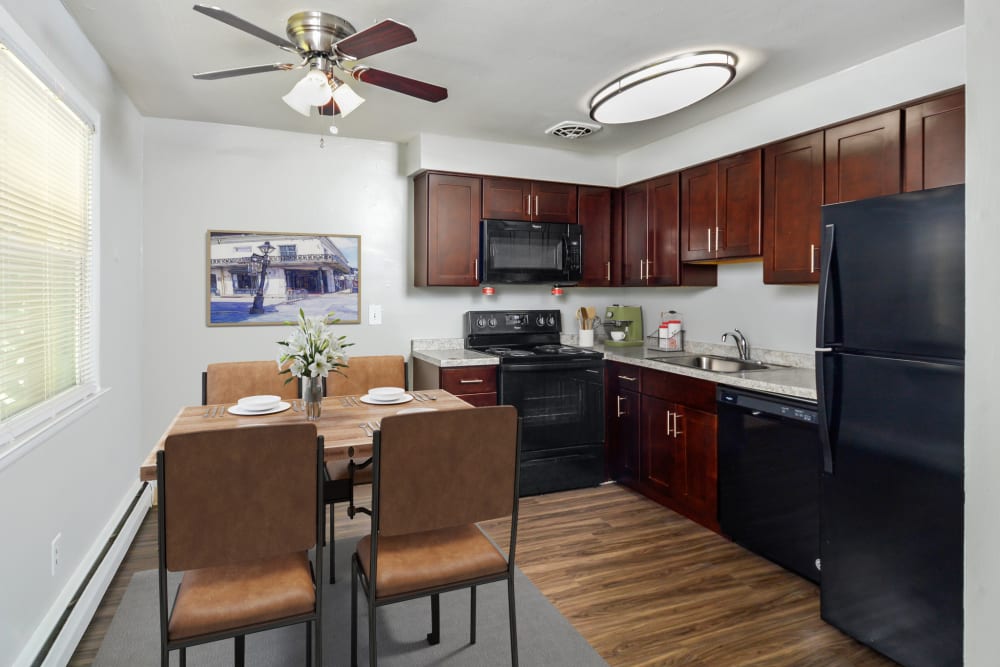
(550,366)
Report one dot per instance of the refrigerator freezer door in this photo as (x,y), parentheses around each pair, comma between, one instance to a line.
(895,275)
(892,511)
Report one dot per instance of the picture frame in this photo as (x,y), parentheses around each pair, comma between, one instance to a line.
(264,278)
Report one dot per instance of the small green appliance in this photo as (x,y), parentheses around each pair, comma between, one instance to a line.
(623,325)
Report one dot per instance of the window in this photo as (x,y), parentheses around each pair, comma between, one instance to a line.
(47,344)
(288,252)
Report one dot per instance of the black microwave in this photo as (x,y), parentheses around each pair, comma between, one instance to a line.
(530,252)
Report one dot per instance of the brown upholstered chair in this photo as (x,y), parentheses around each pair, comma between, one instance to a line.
(437,474)
(361,374)
(228,382)
(239,510)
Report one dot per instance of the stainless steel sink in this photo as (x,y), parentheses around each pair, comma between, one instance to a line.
(709,362)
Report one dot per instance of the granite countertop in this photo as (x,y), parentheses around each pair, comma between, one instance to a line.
(790,373)
(786,379)
(455,357)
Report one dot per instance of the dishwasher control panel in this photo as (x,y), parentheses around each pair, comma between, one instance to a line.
(779,406)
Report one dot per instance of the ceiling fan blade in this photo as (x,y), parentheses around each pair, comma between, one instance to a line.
(245,26)
(400,84)
(380,37)
(241,71)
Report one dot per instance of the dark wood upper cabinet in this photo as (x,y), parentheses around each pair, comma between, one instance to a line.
(793,195)
(594,209)
(863,158)
(633,242)
(699,201)
(536,201)
(663,230)
(934,143)
(720,208)
(446,213)
(738,230)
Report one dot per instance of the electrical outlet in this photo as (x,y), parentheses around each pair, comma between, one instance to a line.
(56,545)
(374,314)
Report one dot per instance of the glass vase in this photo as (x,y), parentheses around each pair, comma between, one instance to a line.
(312,397)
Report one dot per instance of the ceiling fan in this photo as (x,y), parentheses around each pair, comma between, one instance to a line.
(329,47)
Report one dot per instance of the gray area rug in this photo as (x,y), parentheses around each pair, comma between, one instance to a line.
(544,636)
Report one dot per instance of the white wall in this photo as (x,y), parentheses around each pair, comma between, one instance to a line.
(74,481)
(982,321)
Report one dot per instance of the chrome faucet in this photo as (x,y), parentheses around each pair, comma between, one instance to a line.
(742,346)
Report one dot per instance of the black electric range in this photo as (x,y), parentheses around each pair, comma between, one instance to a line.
(558,391)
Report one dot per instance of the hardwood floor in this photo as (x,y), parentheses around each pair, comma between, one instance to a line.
(642,584)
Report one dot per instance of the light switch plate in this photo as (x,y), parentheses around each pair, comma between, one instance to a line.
(374,314)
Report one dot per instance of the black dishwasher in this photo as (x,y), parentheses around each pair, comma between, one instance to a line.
(769,477)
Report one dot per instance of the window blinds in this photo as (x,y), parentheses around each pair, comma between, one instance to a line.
(47,350)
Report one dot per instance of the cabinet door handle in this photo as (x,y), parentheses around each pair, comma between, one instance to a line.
(626,378)
(609,271)
(676,417)
(649,272)
(642,266)
(709,230)
(619,406)
(812,258)
(717,239)
(479,381)
(527,204)
(669,413)
(536,204)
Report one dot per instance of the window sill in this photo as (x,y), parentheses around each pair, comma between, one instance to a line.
(15,445)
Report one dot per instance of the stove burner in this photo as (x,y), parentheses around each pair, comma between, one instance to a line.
(557,349)
(508,352)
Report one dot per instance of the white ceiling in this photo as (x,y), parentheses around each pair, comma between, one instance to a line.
(512,68)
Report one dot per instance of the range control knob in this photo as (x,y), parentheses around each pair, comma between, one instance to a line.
(481,322)
(540,320)
(552,320)
(493,322)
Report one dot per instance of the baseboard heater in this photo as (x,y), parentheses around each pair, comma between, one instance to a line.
(72,623)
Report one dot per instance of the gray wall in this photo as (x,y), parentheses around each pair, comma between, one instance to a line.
(74,481)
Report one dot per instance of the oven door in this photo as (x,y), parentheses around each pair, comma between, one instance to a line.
(561,404)
(529,252)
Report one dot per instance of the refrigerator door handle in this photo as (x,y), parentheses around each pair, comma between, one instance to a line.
(825,265)
(823,410)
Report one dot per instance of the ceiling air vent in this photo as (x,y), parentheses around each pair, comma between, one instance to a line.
(569,129)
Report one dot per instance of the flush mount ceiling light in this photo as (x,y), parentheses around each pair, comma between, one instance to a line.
(662,88)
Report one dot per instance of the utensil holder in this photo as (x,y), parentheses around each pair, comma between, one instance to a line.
(586,338)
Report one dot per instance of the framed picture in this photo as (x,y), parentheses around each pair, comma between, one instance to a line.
(266,277)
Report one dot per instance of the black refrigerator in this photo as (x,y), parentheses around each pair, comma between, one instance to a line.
(889,378)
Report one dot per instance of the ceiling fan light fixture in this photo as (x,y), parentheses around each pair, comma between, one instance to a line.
(663,87)
(345,98)
(312,90)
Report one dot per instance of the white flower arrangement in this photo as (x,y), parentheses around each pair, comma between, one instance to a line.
(312,349)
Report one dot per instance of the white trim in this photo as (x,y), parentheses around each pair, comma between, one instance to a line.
(90,598)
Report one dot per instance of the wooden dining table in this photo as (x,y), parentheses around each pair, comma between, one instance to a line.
(339,423)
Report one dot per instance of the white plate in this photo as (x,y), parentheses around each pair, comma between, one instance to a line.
(237,410)
(386,394)
(259,403)
(411,411)
(405,398)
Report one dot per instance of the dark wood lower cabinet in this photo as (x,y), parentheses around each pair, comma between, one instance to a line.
(476,385)
(662,439)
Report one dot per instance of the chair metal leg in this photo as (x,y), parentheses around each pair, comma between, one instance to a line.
(472,615)
(318,639)
(309,628)
(372,646)
(329,545)
(184,657)
(164,656)
(513,621)
(239,644)
(354,612)
(434,636)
